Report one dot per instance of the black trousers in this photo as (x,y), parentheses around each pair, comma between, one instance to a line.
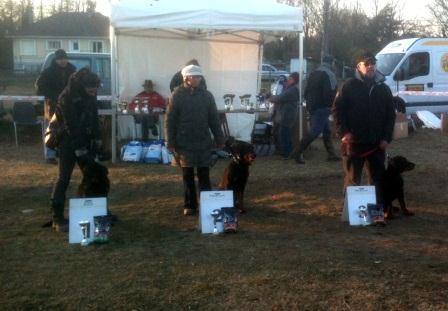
(353,165)
(67,161)
(190,195)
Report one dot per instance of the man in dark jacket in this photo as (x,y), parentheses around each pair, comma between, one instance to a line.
(365,117)
(319,94)
(50,84)
(190,115)
(286,105)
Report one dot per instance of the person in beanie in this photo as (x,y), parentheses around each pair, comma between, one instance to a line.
(178,79)
(319,93)
(79,112)
(50,84)
(286,105)
(190,115)
(364,114)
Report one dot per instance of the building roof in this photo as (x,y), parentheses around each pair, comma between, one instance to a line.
(69,24)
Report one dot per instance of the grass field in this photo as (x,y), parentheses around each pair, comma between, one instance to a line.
(292,251)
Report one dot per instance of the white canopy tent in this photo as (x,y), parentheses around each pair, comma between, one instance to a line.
(153,39)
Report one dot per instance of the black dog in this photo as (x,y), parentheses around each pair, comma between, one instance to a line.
(95,182)
(392,183)
(237,172)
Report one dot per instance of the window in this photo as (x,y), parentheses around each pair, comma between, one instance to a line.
(416,65)
(97,46)
(53,44)
(27,47)
(103,68)
(74,46)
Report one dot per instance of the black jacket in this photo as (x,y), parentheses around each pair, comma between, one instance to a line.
(318,91)
(365,112)
(80,115)
(53,80)
(191,115)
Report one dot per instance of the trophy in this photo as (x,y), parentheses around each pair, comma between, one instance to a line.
(245,101)
(363,214)
(217,217)
(122,106)
(228,101)
(85,229)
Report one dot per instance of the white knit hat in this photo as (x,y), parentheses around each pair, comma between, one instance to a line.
(191,70)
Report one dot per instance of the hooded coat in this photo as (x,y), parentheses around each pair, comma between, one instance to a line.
(191,115)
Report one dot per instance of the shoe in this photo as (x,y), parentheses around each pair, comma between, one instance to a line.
(299,159)
(51,161)
(60,224)
(189,211)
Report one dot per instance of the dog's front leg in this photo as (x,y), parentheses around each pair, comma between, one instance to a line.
(403,207)
(240,201)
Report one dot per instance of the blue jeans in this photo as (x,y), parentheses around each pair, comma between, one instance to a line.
(286,141)
(320,123)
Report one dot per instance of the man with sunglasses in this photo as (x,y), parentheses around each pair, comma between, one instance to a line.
(364,114)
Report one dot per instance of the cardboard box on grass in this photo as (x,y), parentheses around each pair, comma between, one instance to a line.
(401,126)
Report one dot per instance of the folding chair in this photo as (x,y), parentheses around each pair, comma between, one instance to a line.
(262,138)
(24,113)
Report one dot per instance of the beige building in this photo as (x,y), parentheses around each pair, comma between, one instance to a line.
(71,31)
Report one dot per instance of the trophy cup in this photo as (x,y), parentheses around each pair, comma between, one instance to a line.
(122,106)
(245,101)
(228,101)
(85,229)
(217,217)
(363,214)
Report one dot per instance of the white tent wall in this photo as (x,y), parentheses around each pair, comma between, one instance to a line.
(229,67)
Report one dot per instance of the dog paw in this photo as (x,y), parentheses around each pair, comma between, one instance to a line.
(388,216)
(408,213)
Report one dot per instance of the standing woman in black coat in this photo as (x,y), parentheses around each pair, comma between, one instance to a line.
(80,115)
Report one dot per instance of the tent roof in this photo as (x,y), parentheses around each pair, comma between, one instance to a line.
(258,15)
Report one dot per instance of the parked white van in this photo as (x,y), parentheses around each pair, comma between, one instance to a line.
(416,70)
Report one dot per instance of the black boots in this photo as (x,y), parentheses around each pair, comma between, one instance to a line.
(332,156)
(304,143)
(59,223)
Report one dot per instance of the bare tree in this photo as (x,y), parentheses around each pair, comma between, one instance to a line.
(439,10)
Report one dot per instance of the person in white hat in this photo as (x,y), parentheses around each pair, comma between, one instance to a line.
(191,115)
(178,79)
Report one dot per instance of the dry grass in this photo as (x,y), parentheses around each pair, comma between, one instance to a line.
(292,253)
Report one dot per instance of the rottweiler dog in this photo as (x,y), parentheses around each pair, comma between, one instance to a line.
(392,185)
(237,172)
(95,181)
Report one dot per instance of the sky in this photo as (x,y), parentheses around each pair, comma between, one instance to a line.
(410,9)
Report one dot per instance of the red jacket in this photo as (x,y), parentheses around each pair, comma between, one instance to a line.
(152,99)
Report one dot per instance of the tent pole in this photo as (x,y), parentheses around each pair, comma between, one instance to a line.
(114,98)
(301,73)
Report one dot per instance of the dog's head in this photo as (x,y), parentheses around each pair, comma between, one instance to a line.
(241,151)
(400,164)
(95,182)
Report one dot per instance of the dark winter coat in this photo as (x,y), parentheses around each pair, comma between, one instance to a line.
(318,91)
(80,114)
(286,105)
(53,80)
(367,112)
(190,115)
